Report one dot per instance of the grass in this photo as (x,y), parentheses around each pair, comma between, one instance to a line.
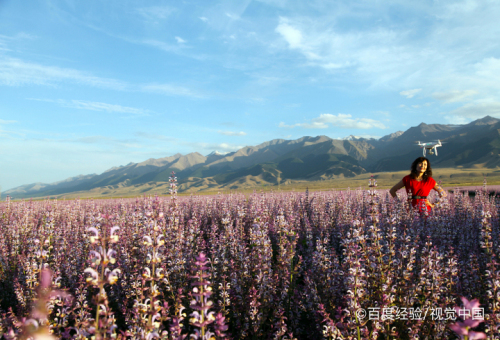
(449,177)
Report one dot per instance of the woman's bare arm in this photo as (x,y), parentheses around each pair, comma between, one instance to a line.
(442,193)
(395,188)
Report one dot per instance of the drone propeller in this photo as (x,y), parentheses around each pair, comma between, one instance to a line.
(431,146)
(436,142)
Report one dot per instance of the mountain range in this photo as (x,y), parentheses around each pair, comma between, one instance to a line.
(279,161)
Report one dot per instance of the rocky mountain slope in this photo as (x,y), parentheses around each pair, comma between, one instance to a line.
(279,160)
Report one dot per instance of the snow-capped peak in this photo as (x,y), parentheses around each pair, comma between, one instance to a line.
(217,153)
(352,137)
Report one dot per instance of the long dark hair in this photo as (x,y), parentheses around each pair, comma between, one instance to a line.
(428,173)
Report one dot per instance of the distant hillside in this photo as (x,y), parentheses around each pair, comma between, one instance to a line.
(278,161)
(470,145)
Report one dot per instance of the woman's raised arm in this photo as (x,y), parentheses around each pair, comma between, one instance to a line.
(395,188)
(440,190)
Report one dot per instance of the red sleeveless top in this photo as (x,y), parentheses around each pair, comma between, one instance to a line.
(422,188)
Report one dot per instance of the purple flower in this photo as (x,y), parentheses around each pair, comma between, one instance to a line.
(472,319)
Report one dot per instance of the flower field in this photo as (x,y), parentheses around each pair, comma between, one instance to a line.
(334,265)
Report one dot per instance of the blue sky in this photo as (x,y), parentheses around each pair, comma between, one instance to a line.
(87,85)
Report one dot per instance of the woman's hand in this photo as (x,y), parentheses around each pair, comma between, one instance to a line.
(429,204)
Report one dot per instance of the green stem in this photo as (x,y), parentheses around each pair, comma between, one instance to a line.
(97,319)
(202,304)
(151,285)
(355,314)
(101,289)
(41,263)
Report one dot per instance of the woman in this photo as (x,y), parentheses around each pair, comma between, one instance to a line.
(419,183)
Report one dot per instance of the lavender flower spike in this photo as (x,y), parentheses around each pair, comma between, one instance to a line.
(469,313)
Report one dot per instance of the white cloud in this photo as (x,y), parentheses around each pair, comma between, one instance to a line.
(478,109)
(232,16)
(5,39)
(255,100)
(95,106)
(57,159)
(286,126)
(203,19)
(229,147)
(160,45)
(15,72)
(454,96)
(370,136)
(440,46)
(322,46)
(362,136)
(214,146)
(344,121)
(487,74)
(129,144)
(5,132)
(457,120)
(2,121)
(460,8)
(91,139)
(277,3)
(292,35)
(180,40)
(232,133)
(155,136)
(155,14)
(267,80)
(194,146)
(312,125)
(99,140)
(18,36)
(410,93)
(171,90)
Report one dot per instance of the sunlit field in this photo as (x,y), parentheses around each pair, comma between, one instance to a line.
(351,264)
(450,178)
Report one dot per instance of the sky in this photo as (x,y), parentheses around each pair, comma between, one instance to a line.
(88,85)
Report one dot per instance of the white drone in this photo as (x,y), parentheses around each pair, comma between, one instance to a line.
(431,146)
